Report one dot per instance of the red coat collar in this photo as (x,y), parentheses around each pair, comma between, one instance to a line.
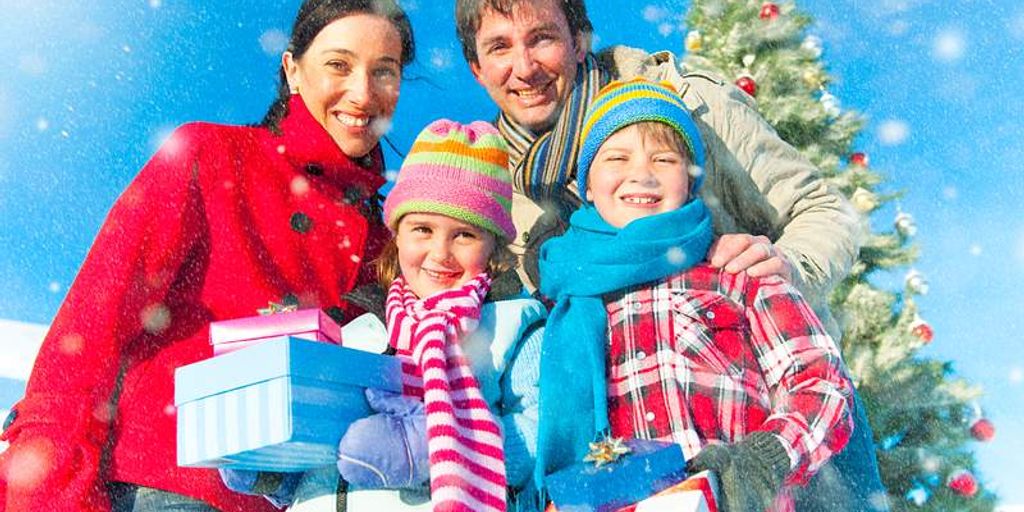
(307,146)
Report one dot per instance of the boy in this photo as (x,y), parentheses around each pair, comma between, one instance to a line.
(653,343)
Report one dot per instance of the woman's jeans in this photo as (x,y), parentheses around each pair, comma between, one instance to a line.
(133,498)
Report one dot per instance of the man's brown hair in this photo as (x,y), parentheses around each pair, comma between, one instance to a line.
(469,13)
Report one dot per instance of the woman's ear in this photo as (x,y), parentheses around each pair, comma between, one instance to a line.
(291,71)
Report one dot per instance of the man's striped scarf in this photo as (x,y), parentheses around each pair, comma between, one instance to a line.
(544,166)
(464,440)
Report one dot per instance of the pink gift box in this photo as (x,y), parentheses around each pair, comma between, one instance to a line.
(309,324)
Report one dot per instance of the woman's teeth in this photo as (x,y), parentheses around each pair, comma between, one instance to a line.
(353,121)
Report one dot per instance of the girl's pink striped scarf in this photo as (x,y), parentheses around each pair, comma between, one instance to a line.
(467,460)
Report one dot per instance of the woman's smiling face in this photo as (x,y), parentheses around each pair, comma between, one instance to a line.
(349,79)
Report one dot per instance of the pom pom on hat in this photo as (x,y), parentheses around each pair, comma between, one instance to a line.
(623,103)
(456,170)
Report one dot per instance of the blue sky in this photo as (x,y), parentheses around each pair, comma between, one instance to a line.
(89,89)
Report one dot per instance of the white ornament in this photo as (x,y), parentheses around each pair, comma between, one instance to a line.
(905,225)
(830,103)
(748,59)
(812,44)
(916,283)
(864,200)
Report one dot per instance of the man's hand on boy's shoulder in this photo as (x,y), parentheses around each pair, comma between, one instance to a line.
(736,252)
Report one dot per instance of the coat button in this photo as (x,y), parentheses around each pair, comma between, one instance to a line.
(10,420)
(336,314)
(300,222)
(314,169)
(353,195)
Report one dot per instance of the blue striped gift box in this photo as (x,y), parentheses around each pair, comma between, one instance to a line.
(281,405)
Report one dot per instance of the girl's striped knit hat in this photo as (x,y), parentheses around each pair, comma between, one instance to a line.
(456,170)
(623,103)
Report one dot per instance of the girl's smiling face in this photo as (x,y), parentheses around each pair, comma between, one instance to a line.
(437,252)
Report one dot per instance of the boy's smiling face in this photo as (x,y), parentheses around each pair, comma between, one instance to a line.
(637,174)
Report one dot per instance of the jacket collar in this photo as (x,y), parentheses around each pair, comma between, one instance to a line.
(308,147)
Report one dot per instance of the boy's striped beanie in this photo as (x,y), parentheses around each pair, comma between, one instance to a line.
(623,103)
(456,170)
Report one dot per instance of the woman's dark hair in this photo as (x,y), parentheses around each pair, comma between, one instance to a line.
(313,16)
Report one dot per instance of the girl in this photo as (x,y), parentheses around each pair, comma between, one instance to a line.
(472,431)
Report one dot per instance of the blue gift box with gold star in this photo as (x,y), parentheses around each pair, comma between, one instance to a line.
(615,474)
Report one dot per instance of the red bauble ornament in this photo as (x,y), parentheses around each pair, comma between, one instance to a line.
(747,83)
(983,430)
(963,483)
(769,11)
(859,158)
(922,331)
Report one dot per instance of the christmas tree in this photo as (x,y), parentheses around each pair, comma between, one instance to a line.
(924,417)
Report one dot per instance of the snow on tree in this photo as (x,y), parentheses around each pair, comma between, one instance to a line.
(924,417)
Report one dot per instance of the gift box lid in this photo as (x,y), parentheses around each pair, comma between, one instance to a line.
(286,356)
(277,324)
(649,467)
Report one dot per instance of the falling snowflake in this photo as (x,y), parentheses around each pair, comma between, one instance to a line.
(951,193)
(1016,375)
(899,28)
(381,126)
(273,42)
(975,250)
(666,29)
(155,318)
(32,64)
(71,344)
(893,132)
(391,174)
(163,139)
(54,287)
(155,4)
(654,13)
(676,255)
(42,124)
(441,58)
(949,45)
(1016,26)
(126,49)
(299,186)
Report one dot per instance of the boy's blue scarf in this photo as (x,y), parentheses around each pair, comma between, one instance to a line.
(592,259)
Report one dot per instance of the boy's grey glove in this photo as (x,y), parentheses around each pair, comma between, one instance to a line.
(278,488)
(751,472)
(387,450)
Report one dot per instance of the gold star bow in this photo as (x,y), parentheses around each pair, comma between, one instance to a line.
(275,308)
(606,451)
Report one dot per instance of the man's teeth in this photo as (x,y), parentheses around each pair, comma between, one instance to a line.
(353,121)
(532,92)
(640,200)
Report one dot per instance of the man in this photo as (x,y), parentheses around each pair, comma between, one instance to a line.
(773,212)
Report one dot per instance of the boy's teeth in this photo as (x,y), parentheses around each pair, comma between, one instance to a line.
(640,200)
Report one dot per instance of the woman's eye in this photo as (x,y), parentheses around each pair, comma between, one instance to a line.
(339,65)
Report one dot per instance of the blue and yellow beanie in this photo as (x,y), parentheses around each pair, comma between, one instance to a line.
(623,103)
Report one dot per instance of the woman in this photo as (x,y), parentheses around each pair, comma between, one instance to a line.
(221,221)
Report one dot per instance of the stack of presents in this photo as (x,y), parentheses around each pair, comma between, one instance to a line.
(282,388)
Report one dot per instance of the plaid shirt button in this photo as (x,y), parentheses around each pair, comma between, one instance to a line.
(711,315)
(641,355)
(649,416)
(638,306)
